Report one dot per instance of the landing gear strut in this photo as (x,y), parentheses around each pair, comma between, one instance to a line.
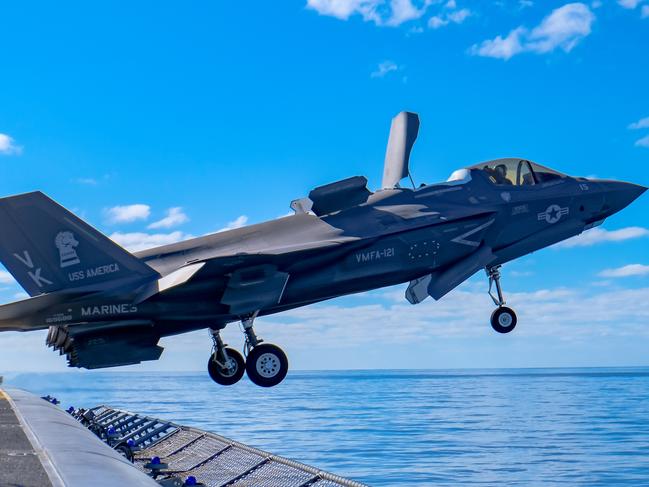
(266,364)
(503,319)
(226,365)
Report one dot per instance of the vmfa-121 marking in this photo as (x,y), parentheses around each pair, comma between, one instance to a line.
(106,307)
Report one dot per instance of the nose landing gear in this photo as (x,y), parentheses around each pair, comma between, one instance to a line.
(503,319)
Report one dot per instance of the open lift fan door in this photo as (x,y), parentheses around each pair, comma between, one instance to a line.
(254,288)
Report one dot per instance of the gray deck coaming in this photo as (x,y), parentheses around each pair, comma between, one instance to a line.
(67,451)
(20,464)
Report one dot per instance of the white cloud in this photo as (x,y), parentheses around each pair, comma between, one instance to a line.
(394,13)
(459,16)
(128,213)
(436,22)
(6,278)
(456,17)
(136,241)
(562,29)
(644,12)
(600,235)
(384,68)
(643,123)
(403,11)
(86,181)
(626,271)
(630,4)
(8,146)
(462,313)
(642,142)
(499,47)
(175,216)
(237,223)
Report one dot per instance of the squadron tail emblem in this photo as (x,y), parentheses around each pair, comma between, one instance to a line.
(66,243)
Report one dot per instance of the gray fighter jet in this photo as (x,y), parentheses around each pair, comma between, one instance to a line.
(106,307)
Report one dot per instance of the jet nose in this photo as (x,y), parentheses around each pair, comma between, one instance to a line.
(619,195)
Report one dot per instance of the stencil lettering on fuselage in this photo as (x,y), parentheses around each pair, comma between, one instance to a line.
(374,255)
(108,309)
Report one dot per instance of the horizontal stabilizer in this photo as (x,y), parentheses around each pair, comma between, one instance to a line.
(47,248)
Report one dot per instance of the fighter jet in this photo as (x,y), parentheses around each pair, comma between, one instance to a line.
(106,307)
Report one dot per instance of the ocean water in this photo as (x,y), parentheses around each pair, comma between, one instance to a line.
(407,428)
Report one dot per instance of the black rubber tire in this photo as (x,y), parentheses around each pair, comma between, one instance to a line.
(266,365)
(223,377)
(503,319)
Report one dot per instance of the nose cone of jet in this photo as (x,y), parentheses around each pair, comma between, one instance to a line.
(619,195)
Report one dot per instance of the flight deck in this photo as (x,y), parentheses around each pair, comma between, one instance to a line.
(41,445)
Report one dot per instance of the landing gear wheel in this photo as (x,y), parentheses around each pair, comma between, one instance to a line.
(503,319)
(233,370)
(266,365)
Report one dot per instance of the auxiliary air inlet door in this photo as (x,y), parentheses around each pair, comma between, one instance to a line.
(254,288)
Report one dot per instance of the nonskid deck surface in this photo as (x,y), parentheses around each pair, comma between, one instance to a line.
(212,459)
(19,461)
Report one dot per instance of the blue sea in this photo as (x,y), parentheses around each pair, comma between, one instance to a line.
(407,428)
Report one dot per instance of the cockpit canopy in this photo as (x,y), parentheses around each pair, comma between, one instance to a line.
(517,172)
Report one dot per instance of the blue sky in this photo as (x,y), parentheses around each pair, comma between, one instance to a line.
(156,121)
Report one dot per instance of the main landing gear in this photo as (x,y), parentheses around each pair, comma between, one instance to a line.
(265,364)
(503,319)
(226,365)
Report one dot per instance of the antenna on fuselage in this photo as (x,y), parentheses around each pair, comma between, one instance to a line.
(403,134)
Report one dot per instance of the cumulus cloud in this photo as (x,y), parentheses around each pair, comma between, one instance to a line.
(643,123)
(626,271)
(127,213)
(630,4)
(6,278)
(384,68)
(239,222)
(455,17)
(86,181)
(598,235)
(136,241)
(175,216)
(394,13)
(563,29)
(8,146)
(642,142)
(463,313)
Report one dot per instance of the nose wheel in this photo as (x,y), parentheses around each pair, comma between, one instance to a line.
(503,319)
